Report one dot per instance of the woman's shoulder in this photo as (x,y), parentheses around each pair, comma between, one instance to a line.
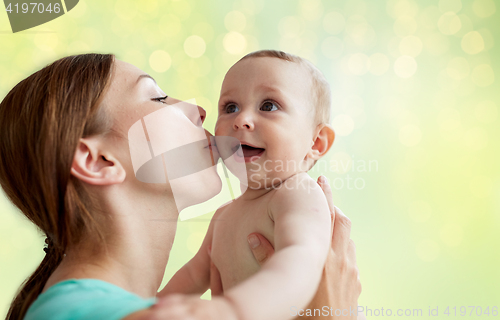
(82,299)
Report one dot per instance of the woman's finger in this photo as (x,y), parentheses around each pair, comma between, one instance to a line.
(341,233)
(261,248)
(327,190)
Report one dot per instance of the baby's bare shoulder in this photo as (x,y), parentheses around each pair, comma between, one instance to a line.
(220,212)
(299,184)
(299,189)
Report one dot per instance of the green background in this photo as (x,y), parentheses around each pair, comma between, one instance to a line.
(415,108)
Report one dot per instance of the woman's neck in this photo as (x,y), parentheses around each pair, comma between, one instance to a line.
(138,239)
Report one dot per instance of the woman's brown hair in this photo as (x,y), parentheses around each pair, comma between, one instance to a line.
(41,121)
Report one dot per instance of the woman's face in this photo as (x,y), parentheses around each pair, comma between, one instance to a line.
(160,137)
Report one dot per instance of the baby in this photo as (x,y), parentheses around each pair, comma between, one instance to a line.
(278,106)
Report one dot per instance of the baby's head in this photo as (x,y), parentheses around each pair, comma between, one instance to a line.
(278,106)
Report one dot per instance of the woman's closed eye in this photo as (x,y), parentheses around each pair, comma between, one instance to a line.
(269,106)
(161,99)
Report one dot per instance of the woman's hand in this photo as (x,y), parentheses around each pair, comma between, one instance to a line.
(340,287)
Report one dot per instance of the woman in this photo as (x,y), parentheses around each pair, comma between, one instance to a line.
(65,163)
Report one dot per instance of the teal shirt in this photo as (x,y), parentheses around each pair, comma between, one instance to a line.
(86,299)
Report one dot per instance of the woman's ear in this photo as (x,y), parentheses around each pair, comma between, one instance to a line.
(94,167)
(322,141)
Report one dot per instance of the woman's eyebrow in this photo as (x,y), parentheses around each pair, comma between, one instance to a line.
(145,76)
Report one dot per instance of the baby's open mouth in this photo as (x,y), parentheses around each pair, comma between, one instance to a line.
(248,152)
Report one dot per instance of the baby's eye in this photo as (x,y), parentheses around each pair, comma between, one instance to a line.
(230,108)
(269,106)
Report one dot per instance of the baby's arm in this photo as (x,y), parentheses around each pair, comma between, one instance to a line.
(302,238)
(194,276)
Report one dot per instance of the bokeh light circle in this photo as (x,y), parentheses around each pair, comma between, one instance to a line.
(472,42)
(483,75)
(290,27)
(160,61)
(234,43)
(484,8)
(126,10)
(396,8)
(410,46)
(405,66)
(436,44)
(359,64)
(235,21)
(450,5)
(334,23)
(343,124)
(194,46)
(449,23)
(405,26)
(361,33)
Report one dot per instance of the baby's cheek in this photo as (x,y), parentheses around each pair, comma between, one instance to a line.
(220,127)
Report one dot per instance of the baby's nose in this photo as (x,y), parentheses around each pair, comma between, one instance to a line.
(243,121)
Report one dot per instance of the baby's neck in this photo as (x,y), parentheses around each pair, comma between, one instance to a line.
(255,192)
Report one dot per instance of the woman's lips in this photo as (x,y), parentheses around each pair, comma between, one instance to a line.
(212,148)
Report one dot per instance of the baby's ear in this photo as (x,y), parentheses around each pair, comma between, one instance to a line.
(322,141)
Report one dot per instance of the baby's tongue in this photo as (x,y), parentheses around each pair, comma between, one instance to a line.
(250,151)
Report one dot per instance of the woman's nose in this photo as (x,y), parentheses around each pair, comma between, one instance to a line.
(203,114)
(243,121)
(194,113)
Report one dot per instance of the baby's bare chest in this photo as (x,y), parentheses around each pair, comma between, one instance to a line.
(230,249)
